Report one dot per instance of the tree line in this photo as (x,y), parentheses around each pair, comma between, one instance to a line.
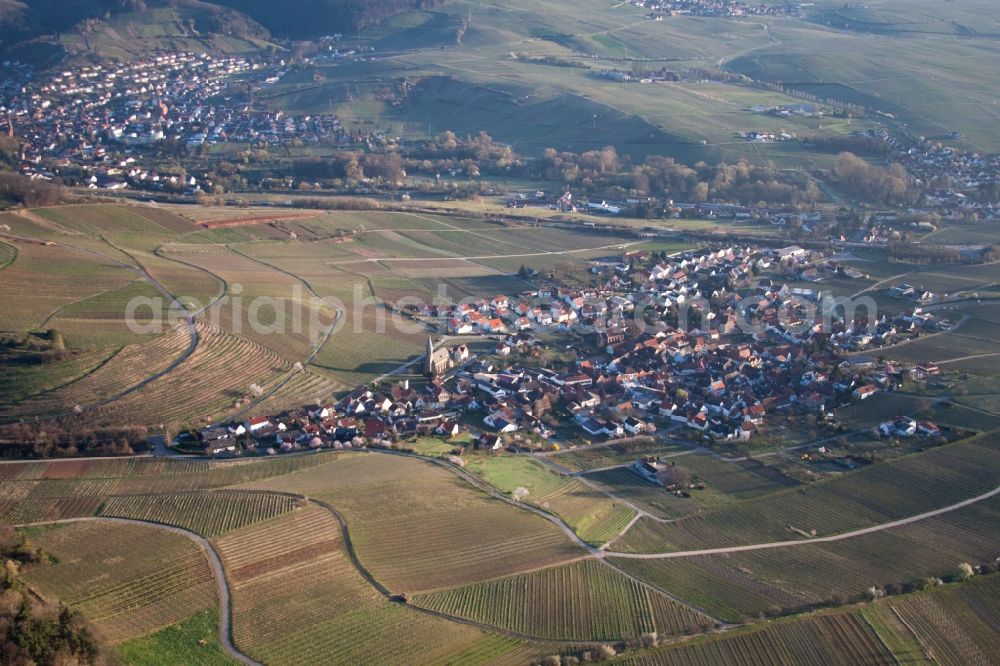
(32,631)
(67,439)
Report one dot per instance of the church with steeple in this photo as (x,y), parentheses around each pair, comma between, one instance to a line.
(436,361)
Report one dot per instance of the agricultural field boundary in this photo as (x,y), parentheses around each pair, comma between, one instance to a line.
(315,350)
(222,585)
(189,324)
(603,556)
(601,553)
(367,575)
(836,537)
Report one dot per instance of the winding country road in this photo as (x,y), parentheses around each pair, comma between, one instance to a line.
(221,584)
(605,557)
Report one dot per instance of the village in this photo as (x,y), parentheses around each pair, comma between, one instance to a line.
(99,119)
(715,8)
(559,367)
(109,127)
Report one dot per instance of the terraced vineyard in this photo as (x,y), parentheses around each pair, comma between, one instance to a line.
(875,494)
(164,218)
(266,307)
(128,367)
(129,580)
(583,600)
(33,510)
(208,514)
(303,388)
(102,468)
(294,566)
(101,219)
(220,370)
(71,489)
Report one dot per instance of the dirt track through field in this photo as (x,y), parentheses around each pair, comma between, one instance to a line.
(189,322)
(803,542)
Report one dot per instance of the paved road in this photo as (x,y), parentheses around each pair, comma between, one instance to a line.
(803,542)
(225,607)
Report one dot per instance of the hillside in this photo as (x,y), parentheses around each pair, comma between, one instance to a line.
(298,19)
(45,31)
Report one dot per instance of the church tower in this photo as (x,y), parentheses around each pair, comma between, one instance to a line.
(429,358)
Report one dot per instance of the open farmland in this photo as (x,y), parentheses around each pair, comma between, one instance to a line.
(712,585)
(741,480)
(825,572)
(463,535)
(875,494)
(593,515)
(583,600)
(650,497)
(739,585)
(8,253)
(129,580)
(55,277)
(191,641)
(296,566)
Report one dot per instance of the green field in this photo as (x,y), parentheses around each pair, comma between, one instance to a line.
(593,515)
(194,640)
